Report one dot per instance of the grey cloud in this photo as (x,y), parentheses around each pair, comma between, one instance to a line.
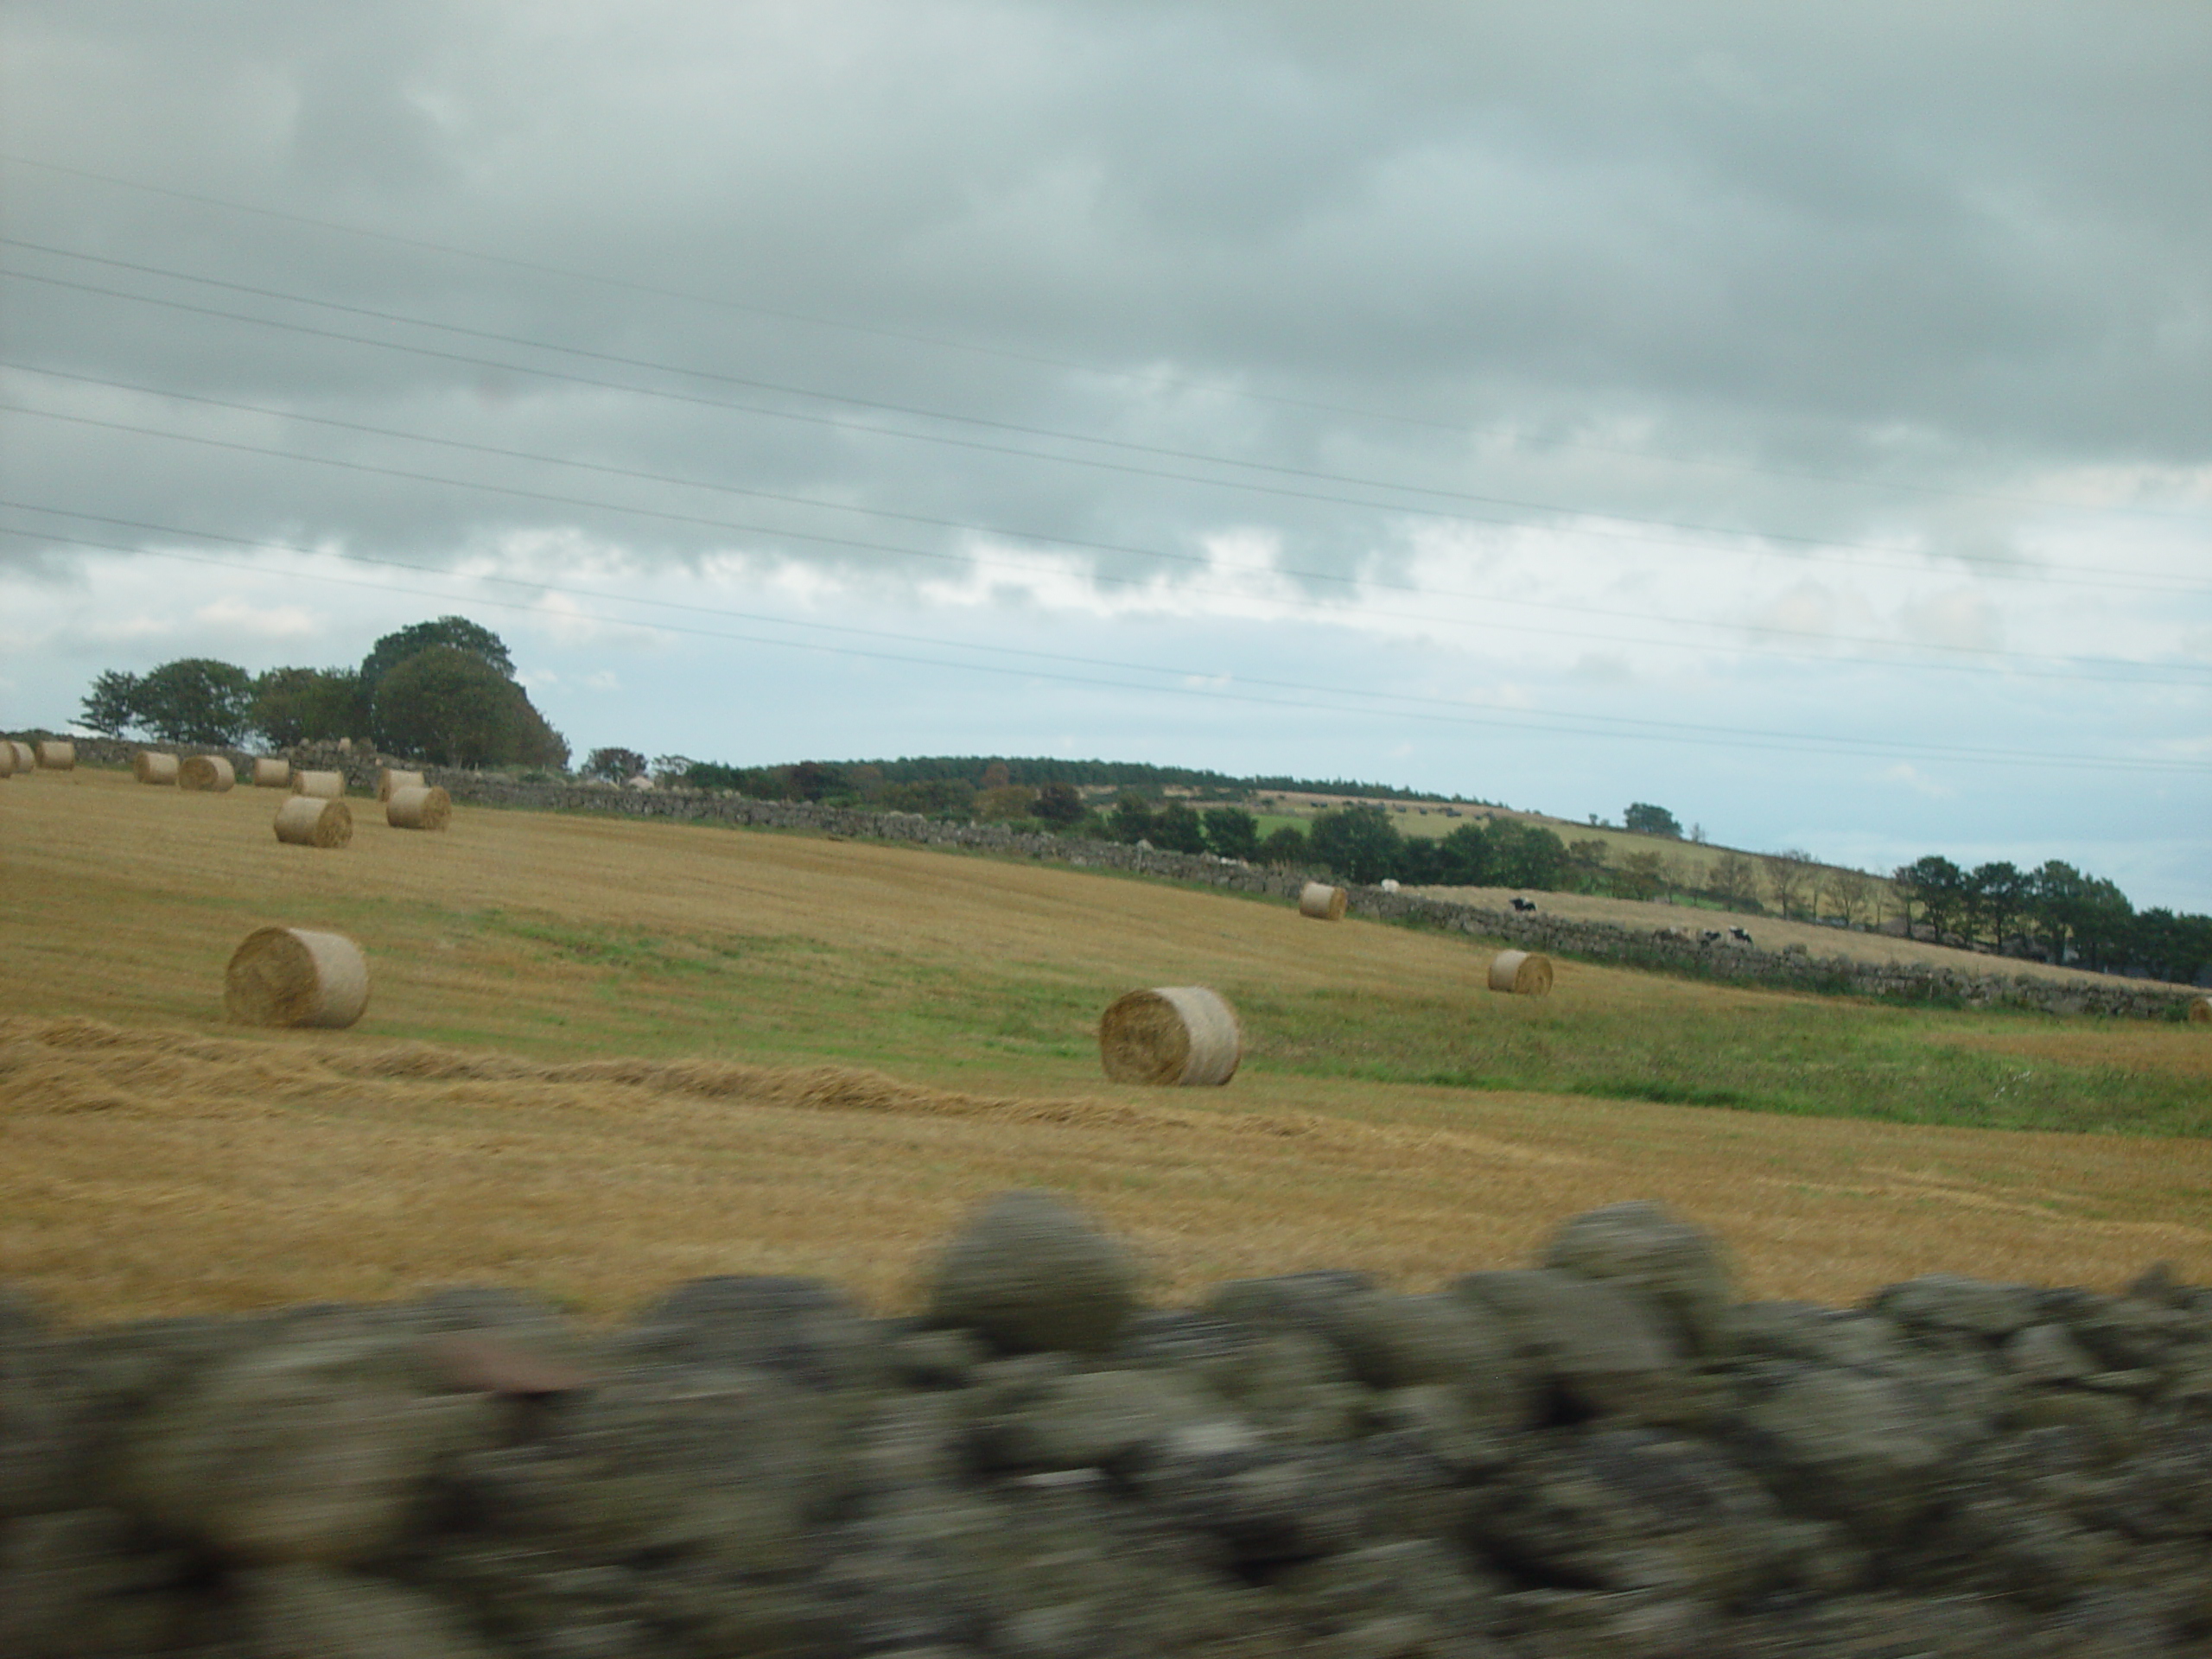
(1965,245)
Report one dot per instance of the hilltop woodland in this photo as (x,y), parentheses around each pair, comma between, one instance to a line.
(445,691)
(442,690)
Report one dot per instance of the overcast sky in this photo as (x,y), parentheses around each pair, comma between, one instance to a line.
(1797,417)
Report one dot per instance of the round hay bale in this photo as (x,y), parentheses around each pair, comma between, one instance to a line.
(1322,902)
(152,766)
(2200,1011)
(210,772)
(1179,1035)
(392,778)
(7,759)
(412,807)
(271,774)
(314,821)
(1521,973)
(323,785)
(26,757)
(291,977)
(56,755)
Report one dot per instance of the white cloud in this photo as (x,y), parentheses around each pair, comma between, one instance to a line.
(234,615)
(1911,777)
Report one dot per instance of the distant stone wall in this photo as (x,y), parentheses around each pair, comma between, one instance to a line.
(1603,1455)
(1792,969)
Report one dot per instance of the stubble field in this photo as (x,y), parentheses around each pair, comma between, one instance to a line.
(601,1055)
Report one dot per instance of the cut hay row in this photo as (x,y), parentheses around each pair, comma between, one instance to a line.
(1323,902)
(413,807)
(323,785)
(1521,973)
(205,773)
(1183,1035)
(271,774)
(295,976)
(391,780)
(152,766)
(314,821)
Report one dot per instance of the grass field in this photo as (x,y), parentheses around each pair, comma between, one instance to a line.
(1392,1115)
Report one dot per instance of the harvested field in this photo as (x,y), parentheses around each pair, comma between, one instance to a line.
(160,1172)
(941,1011)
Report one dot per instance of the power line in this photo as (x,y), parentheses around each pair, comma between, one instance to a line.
(1035,359)
(982,561)
(1583,725)
(688,608)
(2101,579)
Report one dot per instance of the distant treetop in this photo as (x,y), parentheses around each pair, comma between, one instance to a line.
(457,632)
(1645,819)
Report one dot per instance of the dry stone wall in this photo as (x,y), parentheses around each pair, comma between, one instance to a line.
(2111,996)
(1602,1453)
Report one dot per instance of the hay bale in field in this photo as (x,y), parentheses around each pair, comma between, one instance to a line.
(209,773)
(56,755)
(324,785)
(314,821)
(292,976)
(1322,902)
(1182,1035)
(391,779)
(415,808)
(2200,1011)
(271,774)
(7,759)
(152,766)
(26,757)
(1521,973)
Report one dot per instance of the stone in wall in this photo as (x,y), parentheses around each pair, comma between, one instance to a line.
(1602,1456)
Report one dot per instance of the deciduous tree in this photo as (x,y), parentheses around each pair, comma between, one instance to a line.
(196,700)
(1177,828)
(309,705)
(1791,876)
(1233,832)
(110,708)
(455,708)
(613,765)
(1359,843)
(1059,803)
(457,632)
(1646,819)
(1734,880)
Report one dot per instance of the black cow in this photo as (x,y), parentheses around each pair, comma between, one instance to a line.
(1739,934)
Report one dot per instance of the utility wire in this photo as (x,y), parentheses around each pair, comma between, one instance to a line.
(2102,579)
(941,343)
(985,562)
(1577,725)
(1196,560)
(600,595)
